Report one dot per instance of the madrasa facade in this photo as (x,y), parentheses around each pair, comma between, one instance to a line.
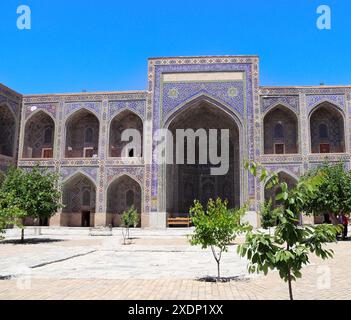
(287,129)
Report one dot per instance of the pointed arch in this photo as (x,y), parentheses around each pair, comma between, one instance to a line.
(82,109)
(125,109)
(8,123)
(122,120)
(119,198)
(204,97)
(182,183)
(79,200)
(325,101)
(287,142)
(280,104)
(288,173)
(78,173)
(39,110)
(8,107)
(124,174)
(284,176)
(36,142)
(327,128)
(329,104)
(75,128)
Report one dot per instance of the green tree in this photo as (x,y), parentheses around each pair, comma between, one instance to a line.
(268,215)
(35,193)
(288,249)
(216,227)
(333,195)
(2,178)
(9,213)
(130,218)
(3,225)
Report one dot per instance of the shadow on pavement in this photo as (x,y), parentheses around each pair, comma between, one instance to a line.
(222,279)
(30,241)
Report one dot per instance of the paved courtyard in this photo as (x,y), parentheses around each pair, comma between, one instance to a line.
(67,263)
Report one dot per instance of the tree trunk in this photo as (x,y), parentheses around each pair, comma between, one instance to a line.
(22,229)
(218,270)
(290,286)
(218,260)
(289,278)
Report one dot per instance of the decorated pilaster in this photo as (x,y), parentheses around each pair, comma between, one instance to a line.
(100,215)
(304,134)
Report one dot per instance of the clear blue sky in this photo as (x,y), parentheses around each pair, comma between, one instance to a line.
(102,45)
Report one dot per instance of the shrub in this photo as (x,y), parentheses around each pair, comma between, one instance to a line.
(130,218)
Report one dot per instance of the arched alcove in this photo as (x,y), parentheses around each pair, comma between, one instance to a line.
(273,192)
(280,131)
(79,200)
(82,135)
(123,193)
(327,129)
(122,121)
(39,136)
(7,131)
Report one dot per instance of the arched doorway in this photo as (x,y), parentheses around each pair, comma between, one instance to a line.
(187,182)
(39,136)
(78,198)
(124,120)
(280,131)
(122,194)
(270,194)
(327,129)
(7,131)
(82,135)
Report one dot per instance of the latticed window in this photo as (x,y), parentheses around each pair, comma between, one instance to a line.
(86,198)
(48,135)
(323,131)
(278,131)
(88,137)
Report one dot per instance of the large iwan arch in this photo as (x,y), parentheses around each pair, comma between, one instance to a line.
(183,183)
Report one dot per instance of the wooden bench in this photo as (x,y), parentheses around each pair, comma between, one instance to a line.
(178,221)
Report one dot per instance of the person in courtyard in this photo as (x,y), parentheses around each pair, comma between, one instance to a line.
(345,224)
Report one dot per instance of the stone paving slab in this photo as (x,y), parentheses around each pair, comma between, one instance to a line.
(14,258)
(142,265)
(262,288)
(103,268)
(110,259)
